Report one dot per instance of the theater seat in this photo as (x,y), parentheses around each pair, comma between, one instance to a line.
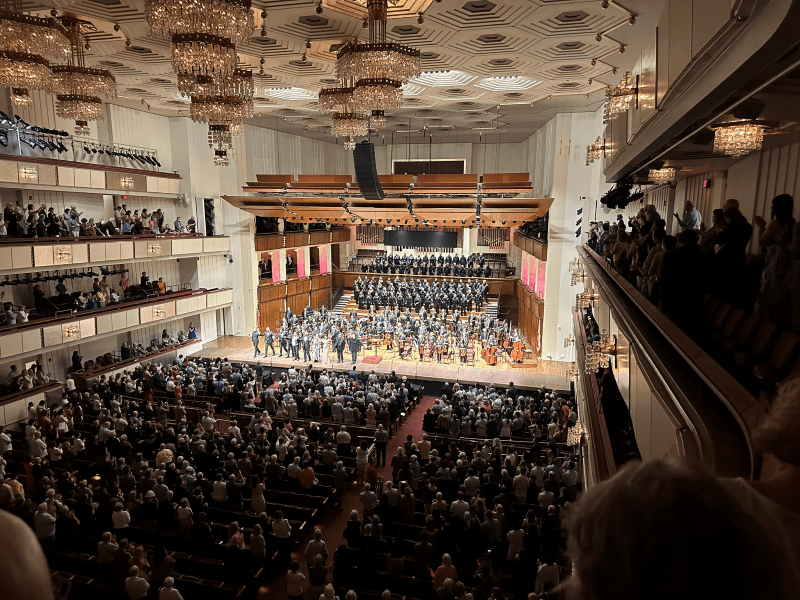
(783,355)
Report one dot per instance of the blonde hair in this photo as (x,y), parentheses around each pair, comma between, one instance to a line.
(779,434)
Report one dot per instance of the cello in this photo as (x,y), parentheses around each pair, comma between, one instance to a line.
(492,356)
(516,351)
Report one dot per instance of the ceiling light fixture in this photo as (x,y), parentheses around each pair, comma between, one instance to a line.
(24,40)
(618,98)
(662,176)
(739,138)
(378,67)
(349,125)
(78,85)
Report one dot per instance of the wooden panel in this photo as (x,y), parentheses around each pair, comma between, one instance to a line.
(43,255)
(181,306)
(163,185)
(112,251)
(146,314)
(119,320)
(680,37)
(87,327)
(8,171)
(170,309)
(48,175)
(10,345)
(52,335)
(97,252)
(97,180)
(126,250)
(66,176)
(152,184)
(31,340)
(17,411)
(5,259)
(83,178)
(174,186)
(662,60)
(21,257)
(132,318)
(105,324)
(202,304)
(648,80)
(80,253)
(62,254)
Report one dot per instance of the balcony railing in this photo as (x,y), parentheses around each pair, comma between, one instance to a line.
(710,413)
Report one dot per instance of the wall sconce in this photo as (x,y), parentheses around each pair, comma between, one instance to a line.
(598,354)
(159,312)
(154,248)
(126,182)
(71,331)
(572,373)
(29,173)
(64,253)
(569,340)
(585,298)
(574,434)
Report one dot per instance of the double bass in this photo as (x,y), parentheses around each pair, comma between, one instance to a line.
(492,356)
(517,351)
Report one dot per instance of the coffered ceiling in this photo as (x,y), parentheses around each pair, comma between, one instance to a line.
(492,69)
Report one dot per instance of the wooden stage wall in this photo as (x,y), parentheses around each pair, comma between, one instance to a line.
(295,293)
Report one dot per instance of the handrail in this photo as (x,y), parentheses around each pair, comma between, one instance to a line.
(705,397)
(122,237)
(337,294)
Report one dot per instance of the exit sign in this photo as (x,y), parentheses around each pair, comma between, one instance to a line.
(706,183)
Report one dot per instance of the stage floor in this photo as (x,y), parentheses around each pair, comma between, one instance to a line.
(551,374)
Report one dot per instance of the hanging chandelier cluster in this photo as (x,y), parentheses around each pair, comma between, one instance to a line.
(204,35)
(372,75)
(594,151)
(585,299)
(738,138)
(25,41)
(576,272)
(379,67)
(598,354)
(662,176)
(77,85)
(618,98)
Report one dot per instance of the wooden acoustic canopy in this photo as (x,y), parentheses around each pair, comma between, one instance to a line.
(439,200)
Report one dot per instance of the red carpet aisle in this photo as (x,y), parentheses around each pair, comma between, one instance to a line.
(333,525)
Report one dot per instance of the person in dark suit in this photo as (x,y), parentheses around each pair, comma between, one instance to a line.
(682,278)
(341,343)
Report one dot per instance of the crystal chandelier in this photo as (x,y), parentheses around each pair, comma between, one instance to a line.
(569,340)
(336,99)
(572,373)
(78,85)
(227,19)
(574,434)
(619,97)
(662,176)
(221,134)
(202,54)
(24,40)
(585,298)
(239,84)
(220,109)
(378,119)
(349,125)
(577,276)
(594,151)
(598,354)
(378,67)
(349,143)
(738,138)
(221,158)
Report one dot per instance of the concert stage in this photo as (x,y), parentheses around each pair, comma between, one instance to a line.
(551,374)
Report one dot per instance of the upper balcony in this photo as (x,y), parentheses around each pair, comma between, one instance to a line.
(23,255)
(678,400)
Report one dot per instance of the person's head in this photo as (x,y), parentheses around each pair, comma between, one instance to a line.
(687,237)
(717,216)
(659,235)
(730,203)
(668,528)
(688,205)
(294,566)
(669,243)
(779,432)
(782,208)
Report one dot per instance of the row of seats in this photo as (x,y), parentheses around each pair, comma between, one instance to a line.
(754,350)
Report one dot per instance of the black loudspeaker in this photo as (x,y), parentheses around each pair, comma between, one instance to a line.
(366,172)
(208,207)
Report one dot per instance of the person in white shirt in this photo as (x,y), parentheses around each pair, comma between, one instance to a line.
(120,518)
(459,506)
(5,441)
(137,587)
(168,592)
(38,447)
(280,526)
(691,218)
(208,422)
